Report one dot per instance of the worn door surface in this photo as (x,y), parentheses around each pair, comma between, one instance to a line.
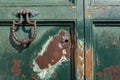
(38,39)
(103,39)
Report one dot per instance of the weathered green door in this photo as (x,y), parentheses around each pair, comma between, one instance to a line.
(38,39)
(102,20)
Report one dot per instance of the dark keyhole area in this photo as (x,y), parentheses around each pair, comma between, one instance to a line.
(66,40)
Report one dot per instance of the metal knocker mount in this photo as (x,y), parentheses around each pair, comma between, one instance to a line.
(24,16)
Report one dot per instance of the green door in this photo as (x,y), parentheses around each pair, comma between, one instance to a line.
(102,39)
(38,39)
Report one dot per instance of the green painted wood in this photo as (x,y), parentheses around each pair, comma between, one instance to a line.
(30,1)
(102,35)
(105,2)
(106,44)
(45,13)
(36,2)
(11,52)
(55,16)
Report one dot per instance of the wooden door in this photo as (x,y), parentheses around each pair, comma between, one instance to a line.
(38,39)
(102,39)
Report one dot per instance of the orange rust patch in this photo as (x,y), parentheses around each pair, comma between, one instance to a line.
(99,74)
(88,14)
(16,68)
(100,7)
(54,50)
(113,72)
(34,76)
(89,63)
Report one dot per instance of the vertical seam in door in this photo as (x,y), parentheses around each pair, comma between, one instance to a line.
(84,39)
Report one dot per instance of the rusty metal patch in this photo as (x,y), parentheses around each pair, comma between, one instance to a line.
(16,68)
(57,50)
(58,47)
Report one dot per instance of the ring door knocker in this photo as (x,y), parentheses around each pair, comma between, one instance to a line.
(24,15)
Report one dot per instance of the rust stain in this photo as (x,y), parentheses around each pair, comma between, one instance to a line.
(23,76)
(107,79)
(16,68)
(100,7)
(99,74)
(89,63)
(113,72)
(32,65)
(88,14)
(80,58)
(34,76)
(54,74)
(59,46)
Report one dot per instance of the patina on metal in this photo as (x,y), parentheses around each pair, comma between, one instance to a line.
(24,16)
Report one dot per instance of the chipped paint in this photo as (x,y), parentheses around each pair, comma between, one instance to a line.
(80,58)
(16,68)
(53,53)
(46,73)
(99,74)
(57,50)
(44,48)
(112,72)
(31,65)
(54,74)
(88,14)
(74,7)
(89,63)
(34,76)
(100,7)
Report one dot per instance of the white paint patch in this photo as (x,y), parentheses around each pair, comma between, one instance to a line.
(60,45)
(81,58)
(81,45)
(82,78)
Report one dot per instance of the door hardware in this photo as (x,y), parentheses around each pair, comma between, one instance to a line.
(24,16)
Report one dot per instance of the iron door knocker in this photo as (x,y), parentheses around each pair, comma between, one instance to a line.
(24,15)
